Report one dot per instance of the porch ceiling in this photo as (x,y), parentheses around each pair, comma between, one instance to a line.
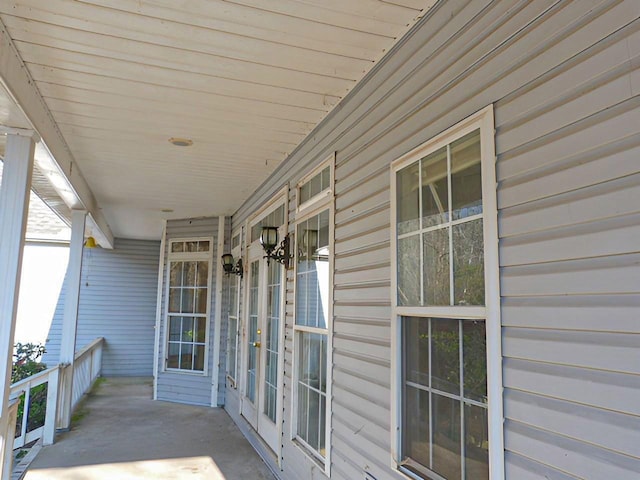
(246,80)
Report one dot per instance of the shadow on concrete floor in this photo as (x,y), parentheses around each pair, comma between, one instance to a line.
(120,433)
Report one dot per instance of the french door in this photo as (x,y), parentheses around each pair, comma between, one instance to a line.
(262,345)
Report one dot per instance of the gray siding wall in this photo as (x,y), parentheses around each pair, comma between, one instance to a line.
(187,387)
(563,77)
(118,302)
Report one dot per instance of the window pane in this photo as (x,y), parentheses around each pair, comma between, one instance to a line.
(198,362)
(326,178)
(468,263)
(201,330)
(303,405)
(312,346)
(173,358)
(175,299)
(313,420)
(187,300)
(233,338)
(203,274)
(187,329)
(315,185)
(416,350)
(476,439)
(474,354)
(189,275)
(203,246)
(445,355)
(312,275)
(177,247)
(415,419)
(174,328)
(186,357)
(409,270)
(175,274)
(233,297)
(435,189)
(408,199)
(436,267)
(191,246)
(201,300)
(466,177)
(446,437)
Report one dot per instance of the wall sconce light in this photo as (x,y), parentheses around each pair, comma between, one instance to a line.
(229,266)
(269,241)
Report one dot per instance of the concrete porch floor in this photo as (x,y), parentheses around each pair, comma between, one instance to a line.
(122,434)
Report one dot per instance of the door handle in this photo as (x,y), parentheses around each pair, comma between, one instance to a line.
(256,344)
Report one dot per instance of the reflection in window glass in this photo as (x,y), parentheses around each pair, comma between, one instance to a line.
(312,275)
(432,382)
(312,310)
(448,223)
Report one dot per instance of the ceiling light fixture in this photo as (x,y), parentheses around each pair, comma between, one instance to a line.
(181,142)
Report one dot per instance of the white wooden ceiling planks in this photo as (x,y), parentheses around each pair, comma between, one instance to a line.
(246,80)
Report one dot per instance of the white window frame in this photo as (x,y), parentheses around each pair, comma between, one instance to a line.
(188,256)
(236,251)
(325,195)
(320,203)
(490,313)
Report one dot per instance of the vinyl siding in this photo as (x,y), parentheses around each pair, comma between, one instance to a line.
(183,387)
(117,302)
(564,80)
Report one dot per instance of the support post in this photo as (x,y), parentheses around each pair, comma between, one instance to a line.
(70,319)
(14,207)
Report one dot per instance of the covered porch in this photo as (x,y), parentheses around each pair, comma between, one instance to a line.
(120,432)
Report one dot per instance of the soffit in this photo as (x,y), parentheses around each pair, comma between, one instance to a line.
(246,80)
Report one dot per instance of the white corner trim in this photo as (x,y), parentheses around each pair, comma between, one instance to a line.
(215,374)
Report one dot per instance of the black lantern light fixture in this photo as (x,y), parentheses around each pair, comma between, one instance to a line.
(269,241)
(229,266)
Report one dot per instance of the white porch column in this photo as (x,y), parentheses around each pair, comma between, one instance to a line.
(70,319)
(14,207)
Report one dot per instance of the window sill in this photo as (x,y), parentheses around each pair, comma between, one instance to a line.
(310,453)
(186,372)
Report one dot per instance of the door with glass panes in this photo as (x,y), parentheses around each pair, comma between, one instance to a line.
(263,326)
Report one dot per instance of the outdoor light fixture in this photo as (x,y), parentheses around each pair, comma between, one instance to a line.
(269,241)
(90,243)
(229,267)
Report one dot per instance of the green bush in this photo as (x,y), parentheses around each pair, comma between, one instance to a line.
(26,358)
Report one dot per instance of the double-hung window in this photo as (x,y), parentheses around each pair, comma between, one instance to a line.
(446,306)
(313,307)
(189,279)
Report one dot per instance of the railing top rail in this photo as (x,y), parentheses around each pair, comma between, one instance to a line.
(93,345)
(36,378)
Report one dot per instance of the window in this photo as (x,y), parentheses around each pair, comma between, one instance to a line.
(188,304)
(316,186)
(234,304)
(446,307)
(313,313)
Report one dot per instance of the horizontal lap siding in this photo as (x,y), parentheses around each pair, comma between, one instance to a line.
(564,80)
(118,302)
(187,387)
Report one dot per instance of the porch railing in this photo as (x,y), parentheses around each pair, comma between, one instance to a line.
(86,369)
(88,363)
(34,423)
